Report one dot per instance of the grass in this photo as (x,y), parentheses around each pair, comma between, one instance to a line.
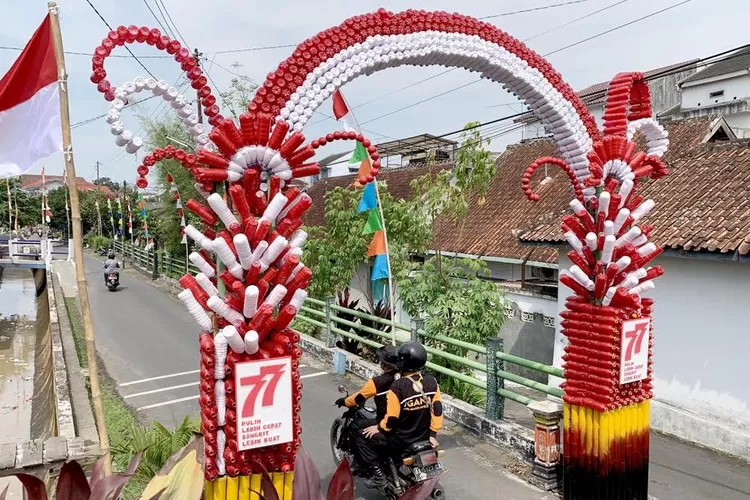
(119,417)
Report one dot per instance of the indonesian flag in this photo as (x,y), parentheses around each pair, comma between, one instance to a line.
(359,160)
(30,106)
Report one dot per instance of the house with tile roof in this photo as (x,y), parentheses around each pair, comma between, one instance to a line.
(719,89)
(702,219)
(32,183)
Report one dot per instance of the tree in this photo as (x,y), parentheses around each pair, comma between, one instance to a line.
(335,250)
(106,181)
(449,292)
(240,93)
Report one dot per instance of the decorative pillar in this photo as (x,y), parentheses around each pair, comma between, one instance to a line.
(330,313)
(546,471)
(416,325)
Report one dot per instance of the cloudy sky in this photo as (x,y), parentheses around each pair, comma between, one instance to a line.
(696,29)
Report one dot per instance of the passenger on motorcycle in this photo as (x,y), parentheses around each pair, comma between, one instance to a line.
(376,388)
(414,412)
(110,266)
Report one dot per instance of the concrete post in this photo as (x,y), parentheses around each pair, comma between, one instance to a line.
(70,250)
(546,470)
(155,272)
(495,402)
(416,325)
(330,336)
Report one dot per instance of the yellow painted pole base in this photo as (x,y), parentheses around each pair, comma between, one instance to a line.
(248,487)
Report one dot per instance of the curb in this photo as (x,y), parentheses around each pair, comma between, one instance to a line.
(501,433)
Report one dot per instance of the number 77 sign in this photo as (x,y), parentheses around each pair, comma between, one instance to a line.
(634,350)
(264,403)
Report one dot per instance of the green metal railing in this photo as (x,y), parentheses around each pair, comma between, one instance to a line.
(325,315)
(158,263)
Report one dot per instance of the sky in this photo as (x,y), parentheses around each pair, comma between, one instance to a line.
(696,29)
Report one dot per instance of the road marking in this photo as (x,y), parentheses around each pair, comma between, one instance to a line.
(160,377)
(165,403)
(314,375)
(144,393)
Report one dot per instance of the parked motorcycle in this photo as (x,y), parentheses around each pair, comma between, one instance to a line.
(417,464)
(113,281)
(104,251)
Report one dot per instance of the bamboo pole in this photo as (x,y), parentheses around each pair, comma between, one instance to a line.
(88,328)
(391,291)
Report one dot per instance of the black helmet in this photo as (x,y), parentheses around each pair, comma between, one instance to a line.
(111,255)
(412,357)
(388,356)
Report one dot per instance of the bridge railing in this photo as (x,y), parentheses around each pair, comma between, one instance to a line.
(373,331)
(18,250)
(158,263)
(327,315)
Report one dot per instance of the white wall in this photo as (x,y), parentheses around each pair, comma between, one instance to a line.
(697,96)
(701,347)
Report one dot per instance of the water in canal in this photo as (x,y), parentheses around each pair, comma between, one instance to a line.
(26,387)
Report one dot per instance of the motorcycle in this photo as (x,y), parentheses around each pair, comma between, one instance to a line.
(104,251)
(416,465)
(113,281)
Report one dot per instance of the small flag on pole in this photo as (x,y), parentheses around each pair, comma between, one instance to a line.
(359,158)
(30,105)
(369,199)
(373,223)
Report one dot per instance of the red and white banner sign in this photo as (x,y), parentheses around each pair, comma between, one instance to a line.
(634,350)
(264,403)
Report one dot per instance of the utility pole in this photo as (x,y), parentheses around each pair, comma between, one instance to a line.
(198,56)
(98,209)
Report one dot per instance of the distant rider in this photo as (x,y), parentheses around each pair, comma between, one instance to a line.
(110,266)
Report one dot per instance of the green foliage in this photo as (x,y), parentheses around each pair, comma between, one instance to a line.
(96,242)
(155,444)
(335,251)
(28,208)
(240,92)
(447,193)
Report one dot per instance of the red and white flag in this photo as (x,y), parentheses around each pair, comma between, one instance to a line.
(30,106)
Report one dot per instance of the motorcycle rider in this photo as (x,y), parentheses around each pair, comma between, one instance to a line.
(376,388)
(110,266)
(414,412)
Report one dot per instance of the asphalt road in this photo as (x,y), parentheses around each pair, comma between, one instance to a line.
(148,344)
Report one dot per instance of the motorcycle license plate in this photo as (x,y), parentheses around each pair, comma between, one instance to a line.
(425,473)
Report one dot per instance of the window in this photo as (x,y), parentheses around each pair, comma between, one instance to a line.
(718,93)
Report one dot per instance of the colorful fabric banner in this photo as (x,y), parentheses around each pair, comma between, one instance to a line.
(130,214)
(379,267)
(142,206)
(359,159)
(373,223)
(119,216)
(377,245)
(369,199)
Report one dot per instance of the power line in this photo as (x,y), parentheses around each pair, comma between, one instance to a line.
(618,27)
(126,47)
(169,29)
(422,101)
(586,16)
(170,20)
(533,9)
(158,21)
(89,54)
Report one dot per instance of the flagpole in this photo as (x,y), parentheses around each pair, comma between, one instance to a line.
(88,327)
(391,292)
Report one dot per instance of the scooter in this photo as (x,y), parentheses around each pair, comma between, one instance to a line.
(113,281)
(417,464)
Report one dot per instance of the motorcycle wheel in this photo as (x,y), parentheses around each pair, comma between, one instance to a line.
(338,454)
(437,492)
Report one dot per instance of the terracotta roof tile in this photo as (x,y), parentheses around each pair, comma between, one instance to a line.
(398,181)
(703,205)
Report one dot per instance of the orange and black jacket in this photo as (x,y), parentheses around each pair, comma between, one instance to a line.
(414,409)
(376,387)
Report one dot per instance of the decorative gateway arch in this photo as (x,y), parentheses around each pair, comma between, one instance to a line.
(252,282)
